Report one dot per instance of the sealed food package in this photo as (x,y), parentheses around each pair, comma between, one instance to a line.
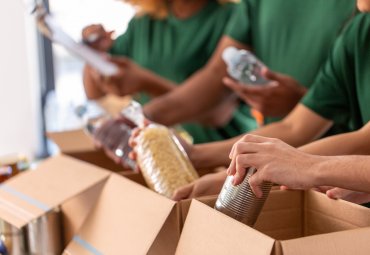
(163,164)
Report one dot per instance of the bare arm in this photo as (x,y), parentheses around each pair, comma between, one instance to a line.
(198,94)
(301,126)
(343,144)
(280,163)
(349,172)
(91,84)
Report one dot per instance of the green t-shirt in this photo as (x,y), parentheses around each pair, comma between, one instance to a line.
(341,91)
(293,37)
(176,48)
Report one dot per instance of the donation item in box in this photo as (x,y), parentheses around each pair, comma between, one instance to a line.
(291,222)
(30,204)
(160,156)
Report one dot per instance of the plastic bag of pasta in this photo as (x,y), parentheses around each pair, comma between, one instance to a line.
(160,156)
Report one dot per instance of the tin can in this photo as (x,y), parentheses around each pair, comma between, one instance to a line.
(45,234)
(12,240)
(239,202)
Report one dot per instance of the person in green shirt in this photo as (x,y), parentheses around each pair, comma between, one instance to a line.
(340,94)
(281,36)
(167,40)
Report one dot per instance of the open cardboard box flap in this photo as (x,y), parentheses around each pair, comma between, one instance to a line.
(207,231)
(72,141)
(31,194)
(295,222)
(130,223)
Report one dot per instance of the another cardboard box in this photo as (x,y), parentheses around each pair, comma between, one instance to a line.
(291,222)
(55,183)
(80,145)
(128,219)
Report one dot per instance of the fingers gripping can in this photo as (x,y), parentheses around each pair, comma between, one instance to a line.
(239,202)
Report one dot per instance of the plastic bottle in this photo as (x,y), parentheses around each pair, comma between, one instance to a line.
(111,133)
(243,66)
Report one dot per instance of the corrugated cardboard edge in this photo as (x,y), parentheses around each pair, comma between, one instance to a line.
(201,223)
(129,220)
(33,201)
(72,141)
(346,242)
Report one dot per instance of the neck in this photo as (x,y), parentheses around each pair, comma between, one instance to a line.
(183,9)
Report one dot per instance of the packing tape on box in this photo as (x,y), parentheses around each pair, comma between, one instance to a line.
(86,245)
(26,198)
(17,210)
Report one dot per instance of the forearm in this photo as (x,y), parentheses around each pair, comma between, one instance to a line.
(212,155)
(91,86)
(293,130)
(344,144)
(200,93)
(349,172)
(155,85)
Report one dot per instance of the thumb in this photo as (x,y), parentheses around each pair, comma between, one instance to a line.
(183,192)
(337,193)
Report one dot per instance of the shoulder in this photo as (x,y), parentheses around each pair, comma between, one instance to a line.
(358,28)
(227,8)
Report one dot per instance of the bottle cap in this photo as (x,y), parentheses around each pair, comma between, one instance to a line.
(231,56)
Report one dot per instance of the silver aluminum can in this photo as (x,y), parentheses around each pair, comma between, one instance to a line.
(12,239)
(45,234)
(239,202)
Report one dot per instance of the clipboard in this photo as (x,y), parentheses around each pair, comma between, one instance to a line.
(48,26)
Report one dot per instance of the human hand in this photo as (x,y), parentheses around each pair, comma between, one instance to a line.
(210,184)
(129,80)
(97,37)
(275,99)
(112,136)
(220,115)
(275,161)
(348,195)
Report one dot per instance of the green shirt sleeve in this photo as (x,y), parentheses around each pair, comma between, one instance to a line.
(329,96)
(239,26)
(121,45)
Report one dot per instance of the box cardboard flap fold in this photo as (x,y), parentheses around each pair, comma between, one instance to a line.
(207,231)
(346,242)
(126,219)
(72,141)
(29,195)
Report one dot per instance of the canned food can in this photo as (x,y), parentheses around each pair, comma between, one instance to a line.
(45,234)
(12,240)
(239,202)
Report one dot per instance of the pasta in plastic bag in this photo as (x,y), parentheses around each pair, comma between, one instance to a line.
(162,160)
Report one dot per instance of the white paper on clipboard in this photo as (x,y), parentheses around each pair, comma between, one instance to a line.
(50,28)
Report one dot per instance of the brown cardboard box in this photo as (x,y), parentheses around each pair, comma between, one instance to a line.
(291,222)
(128,219)
(55,183)
(79,144)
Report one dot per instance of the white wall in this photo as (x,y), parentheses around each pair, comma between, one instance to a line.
(19,90)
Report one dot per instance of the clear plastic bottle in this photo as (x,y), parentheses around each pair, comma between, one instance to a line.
(239,202)
(243,66)
(111,133)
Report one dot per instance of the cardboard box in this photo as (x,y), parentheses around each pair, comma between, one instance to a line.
(291,222)
(128,219)
(55,183)
(80,145)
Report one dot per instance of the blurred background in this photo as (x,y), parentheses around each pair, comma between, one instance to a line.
(40,83)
